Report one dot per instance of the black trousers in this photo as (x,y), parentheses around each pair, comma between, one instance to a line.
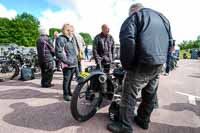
(46,73)
(67,78)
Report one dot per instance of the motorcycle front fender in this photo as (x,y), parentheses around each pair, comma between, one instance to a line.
(90,75)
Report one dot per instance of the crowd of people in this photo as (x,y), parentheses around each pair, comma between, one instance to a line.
(146,43)
(66,52)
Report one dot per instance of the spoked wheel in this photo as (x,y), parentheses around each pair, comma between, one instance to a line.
(86,100)
(8,71)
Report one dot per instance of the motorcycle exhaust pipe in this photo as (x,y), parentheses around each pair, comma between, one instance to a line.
(102,78)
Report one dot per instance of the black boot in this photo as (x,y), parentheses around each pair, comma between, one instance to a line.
(156,105)
(118,128)
(67,98)
(140,123)
(47,86)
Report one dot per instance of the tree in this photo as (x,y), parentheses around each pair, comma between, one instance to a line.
(198,38)
(196,44)
(4,30)
(27,26)
(189,44)
(52,30)
(87,38)
(23,30)
(29,18)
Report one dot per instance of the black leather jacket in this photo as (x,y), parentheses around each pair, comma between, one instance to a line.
(103,47)
(145,38)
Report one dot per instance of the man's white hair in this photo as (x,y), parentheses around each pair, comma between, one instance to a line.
(43,31)
(135,8)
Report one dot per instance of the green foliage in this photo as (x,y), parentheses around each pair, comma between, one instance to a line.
(87,38)
(28,18)
(52,30)
(189,44)
(198,38)
(185,51)
(4,32)
(23,30)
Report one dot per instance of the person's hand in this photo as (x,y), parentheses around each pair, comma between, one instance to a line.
(99,58)
(172,49)
(106,59)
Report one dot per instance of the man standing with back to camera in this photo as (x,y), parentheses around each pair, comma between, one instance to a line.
(46,53)
(146,37)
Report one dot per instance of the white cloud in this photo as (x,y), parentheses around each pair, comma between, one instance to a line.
(89,15)
(51,19)
(183,16)
(5,13)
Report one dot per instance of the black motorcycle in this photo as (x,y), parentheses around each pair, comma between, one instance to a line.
(27,60)
(93,87)
(9,68)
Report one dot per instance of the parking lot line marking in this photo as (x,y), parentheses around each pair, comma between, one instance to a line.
(191,98)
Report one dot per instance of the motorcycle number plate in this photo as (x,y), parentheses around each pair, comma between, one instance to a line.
(84,74)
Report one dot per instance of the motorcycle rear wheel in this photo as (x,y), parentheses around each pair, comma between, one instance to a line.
(8,71)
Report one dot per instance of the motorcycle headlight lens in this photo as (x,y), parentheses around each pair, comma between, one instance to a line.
(102,78)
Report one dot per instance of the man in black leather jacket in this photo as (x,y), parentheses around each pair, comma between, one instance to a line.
(46,58)
(145,40)
(103,48)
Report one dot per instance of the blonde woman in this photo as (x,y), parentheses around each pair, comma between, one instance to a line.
(66,53)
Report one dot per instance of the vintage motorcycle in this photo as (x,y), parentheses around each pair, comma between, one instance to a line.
(95,85)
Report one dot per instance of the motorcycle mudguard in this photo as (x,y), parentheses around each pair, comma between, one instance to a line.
(84,76)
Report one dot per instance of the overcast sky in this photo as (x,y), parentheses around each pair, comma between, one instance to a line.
(89,15)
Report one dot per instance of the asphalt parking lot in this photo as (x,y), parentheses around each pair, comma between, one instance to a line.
(25,107)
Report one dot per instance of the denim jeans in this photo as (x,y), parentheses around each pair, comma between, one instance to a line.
(79,66)
(145,78)
(67,78)
(78,69)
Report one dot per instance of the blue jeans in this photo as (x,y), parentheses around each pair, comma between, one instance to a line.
(86,56)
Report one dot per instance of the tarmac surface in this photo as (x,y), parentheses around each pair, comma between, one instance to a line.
(25,107)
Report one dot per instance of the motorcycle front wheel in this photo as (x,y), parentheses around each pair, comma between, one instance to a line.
(86,100)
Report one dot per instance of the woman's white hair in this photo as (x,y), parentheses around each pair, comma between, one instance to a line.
(135,8)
